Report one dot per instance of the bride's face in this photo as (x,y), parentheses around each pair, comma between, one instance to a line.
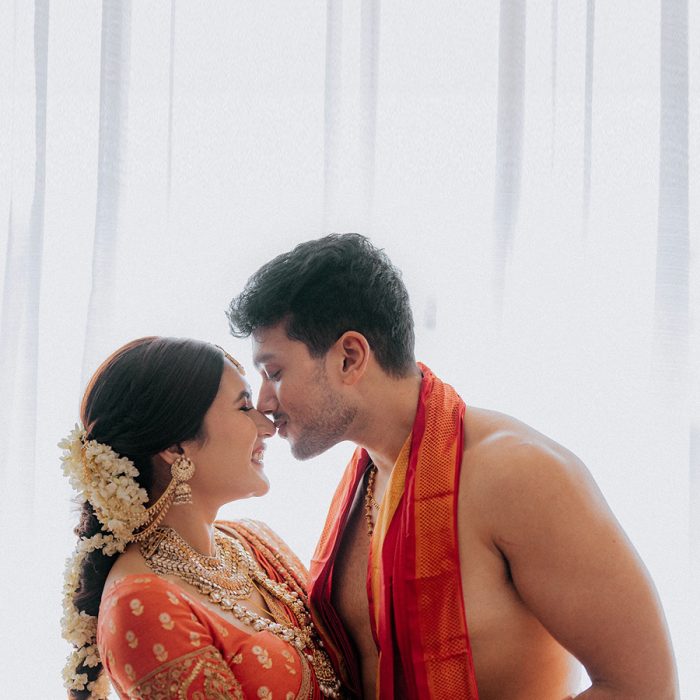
(229,459)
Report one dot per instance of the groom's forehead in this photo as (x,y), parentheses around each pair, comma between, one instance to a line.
(270,344)
(274,345)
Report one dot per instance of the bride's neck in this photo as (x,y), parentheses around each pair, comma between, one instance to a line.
(193,527)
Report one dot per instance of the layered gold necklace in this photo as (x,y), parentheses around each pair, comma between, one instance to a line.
(228,577)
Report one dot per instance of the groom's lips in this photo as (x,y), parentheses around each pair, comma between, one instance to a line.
(281,425)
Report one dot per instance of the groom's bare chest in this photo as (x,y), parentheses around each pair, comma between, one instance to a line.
(350,590)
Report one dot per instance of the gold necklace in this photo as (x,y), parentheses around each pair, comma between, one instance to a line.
(167,553)
(224,576)
(369,498)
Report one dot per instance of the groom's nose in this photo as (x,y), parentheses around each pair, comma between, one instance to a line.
(267,399)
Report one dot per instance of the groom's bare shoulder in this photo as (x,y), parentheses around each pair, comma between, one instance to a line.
(502,452)
(536,507)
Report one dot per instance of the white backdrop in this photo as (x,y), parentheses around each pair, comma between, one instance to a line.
(533,169)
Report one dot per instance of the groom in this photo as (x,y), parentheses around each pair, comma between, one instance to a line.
(462,549)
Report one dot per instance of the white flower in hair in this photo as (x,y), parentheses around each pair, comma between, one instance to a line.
(108,482)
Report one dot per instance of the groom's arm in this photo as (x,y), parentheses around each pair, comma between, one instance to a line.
(576,570)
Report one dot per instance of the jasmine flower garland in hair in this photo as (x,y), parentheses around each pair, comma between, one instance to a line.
(108,482)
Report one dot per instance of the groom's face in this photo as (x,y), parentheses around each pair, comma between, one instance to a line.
(298,394)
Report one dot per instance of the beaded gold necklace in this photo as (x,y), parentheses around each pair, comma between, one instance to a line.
(220,577)
(370,501)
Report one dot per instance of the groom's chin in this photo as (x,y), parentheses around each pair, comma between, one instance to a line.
(302,454)
(303,450)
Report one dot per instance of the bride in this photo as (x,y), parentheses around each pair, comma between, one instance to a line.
(161,599)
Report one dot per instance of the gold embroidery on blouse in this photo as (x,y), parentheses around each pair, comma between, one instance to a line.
(131,639)
(166,621)
(136,606)
(289,664)
(195,641)
(263,656)
(172,598)
(174,679)
(306,691)
(264,693)
(160,652)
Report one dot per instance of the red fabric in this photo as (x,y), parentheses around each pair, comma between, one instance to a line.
(419,620)
(158,641)
(326,619)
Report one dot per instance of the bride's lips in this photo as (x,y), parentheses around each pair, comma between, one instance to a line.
(258,456)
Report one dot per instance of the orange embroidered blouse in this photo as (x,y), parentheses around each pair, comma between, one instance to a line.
(156,641)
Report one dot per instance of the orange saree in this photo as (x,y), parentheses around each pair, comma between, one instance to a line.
(156,641)
(414,586)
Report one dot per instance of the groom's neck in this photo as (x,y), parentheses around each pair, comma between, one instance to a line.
(386,417)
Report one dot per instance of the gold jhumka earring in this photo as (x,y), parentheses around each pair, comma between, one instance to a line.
(178,493)
(182,470)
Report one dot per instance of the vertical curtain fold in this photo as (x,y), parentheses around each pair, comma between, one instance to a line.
(171,92)
(369,66)
(19,345)
(555,47)
(672,253)
(588,114)
(114,72)
(332,108)
(694,457)
(509,136)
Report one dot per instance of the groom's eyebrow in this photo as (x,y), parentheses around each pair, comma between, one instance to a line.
(262,359)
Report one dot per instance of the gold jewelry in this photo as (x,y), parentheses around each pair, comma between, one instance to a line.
(182,470)
(224,577)
(369,498)
(233,361)
(167,553)
(178,492)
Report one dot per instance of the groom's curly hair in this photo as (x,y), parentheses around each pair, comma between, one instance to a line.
(325,287)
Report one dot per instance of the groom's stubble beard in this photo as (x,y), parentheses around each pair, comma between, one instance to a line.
(326,421)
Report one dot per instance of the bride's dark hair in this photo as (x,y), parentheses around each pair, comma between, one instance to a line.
(150,394)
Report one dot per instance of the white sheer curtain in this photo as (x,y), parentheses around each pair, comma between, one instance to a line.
(533,168)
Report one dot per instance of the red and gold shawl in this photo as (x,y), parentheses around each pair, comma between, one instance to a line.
(414,586)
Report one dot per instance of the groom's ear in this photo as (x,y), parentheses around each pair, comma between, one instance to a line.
(352,354)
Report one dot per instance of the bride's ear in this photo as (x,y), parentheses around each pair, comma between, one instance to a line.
(170,454)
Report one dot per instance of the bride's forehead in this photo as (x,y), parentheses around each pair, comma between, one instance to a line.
(232,381)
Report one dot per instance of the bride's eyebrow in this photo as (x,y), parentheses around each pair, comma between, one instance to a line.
(245,394)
